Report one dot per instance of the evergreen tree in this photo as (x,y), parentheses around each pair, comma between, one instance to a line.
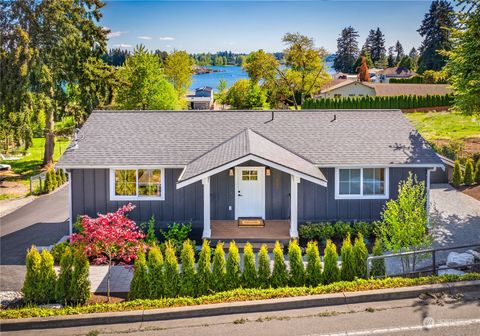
(391,58)
(367,47)
(413,54)
(233,276)
(80,286)
(187,274)
(218,268)
(139,286)
(249,275)
(31,284)
(468,177)
(360,254)
(297,270)
(203,269)
(314,266)
(331,273)
(347,272)
(457,178)
(347,50)
(156,276)
(378,266)
(263,267)
(477,171)
(399,53)
(279,273)
(171,271)
(48,278)
(62,287)
(435,30)
(377,51)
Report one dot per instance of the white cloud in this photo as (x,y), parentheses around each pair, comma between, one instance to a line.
(144,37)
(115,34)
(166,38)
(123,45)
(168,46)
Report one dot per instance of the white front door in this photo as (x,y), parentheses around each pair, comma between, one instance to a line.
(249,192)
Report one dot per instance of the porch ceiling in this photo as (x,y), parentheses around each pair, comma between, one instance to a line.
(248,145)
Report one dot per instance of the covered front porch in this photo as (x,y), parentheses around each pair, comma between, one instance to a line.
(274,229)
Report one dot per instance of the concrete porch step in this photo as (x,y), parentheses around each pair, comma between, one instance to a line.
(256,243)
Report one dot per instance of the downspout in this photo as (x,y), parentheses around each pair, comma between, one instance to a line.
(70,210)
(431,170)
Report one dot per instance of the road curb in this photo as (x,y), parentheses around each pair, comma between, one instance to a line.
(235,307)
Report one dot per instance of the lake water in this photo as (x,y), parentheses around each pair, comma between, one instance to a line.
(231,74)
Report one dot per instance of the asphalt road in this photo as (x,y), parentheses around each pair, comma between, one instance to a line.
(42,222)
(439,315)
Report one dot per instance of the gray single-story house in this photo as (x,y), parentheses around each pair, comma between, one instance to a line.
(223,170)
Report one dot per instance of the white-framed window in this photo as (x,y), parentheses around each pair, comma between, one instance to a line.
(361,183)
(137,184)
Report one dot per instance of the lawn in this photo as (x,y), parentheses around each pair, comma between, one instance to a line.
(445,125)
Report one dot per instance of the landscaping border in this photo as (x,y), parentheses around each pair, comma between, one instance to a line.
(242,307)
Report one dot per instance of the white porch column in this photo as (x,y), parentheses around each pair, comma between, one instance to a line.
(207,232)
(295,180)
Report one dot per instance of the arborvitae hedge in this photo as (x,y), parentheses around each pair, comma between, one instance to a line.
(279,274)
(249,275)
(233,276)
(379,102)
(31,289)
(331,273)
(264,271)
(457,178)
(360,254)
(378,265)
(139,286)
(297,271)
(218,268)
(203,269)
(48,278)
(171,271)
(314,265)
(62,287)
(187,274)
(80,286)
(468,177)
(347,272)
(156,276)
(477,172)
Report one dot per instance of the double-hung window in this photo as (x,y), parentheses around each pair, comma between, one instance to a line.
(358,183)
(137,184)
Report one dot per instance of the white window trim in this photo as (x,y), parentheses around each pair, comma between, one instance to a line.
(361,195)
(114,197)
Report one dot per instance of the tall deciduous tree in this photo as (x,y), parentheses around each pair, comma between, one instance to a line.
(347,50)
(145,85)
(435,30)
(178,69)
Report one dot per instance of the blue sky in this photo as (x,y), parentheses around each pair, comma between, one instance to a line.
(243,26)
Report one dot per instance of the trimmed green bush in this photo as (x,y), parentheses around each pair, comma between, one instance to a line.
(263,267)
(331,273)
(80,286)
(48,183)
(64,282)
(342,229)
(317,231)
(362,227)
(48,278)
(297,270)
(477,172)
(58,250)
(187,274)
(347,272)
(31,289)
(233,276)
(156,276)
(378,266)
(218,268)
(171,271)
(60,180)
(139,286)
(457,174)
(314,265)
(360,254)
(249,275)
(203,269)
(63,175)
(279,274)
(54,179)
(468,177)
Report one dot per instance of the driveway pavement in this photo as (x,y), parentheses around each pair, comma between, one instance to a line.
(41,222)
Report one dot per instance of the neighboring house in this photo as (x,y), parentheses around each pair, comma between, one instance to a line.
(395,72)
(201,99)
(350,88)
(342,75)
(277,168)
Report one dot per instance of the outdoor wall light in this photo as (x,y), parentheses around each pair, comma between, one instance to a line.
(231,172)
(267,171)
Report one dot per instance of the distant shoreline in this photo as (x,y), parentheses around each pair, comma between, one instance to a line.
(204,70)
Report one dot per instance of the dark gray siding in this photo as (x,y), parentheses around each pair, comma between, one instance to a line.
(316,203)
(91,195)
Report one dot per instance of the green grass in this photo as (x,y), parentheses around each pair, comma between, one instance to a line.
(445,125)
(236,295)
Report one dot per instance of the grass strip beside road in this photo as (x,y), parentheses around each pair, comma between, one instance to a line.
(236,296)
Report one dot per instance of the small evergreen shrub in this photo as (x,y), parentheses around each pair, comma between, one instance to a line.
(31,289)
(362,227)
(477,172)
(360,254)
(314,266)
(317,231)
(468,176)
(53,177)
(63,175)
(297,270)
(64,282)
(331,272)
(279,274)
(150,237)
(249,275)
(342,229)
(156,276)
(378,266)
(80,286)
(218,268)
(60,180)
(457,178)
(58,250)
(48,183)
(187,274)
(139,286)
(232,279)
(263,267)
(203,269)
(347,272)
(176,234)
(171,271)
(48,278)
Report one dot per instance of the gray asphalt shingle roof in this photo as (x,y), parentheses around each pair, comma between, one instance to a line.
(175,138)
(248,143)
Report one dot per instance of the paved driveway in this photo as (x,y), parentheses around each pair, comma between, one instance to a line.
(41,222)
(456,217)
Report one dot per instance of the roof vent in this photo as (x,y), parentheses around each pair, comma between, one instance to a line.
(272,118)
(334,118)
